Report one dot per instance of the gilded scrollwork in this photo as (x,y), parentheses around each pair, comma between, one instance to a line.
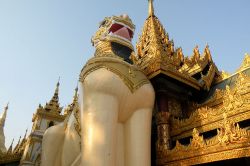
(156,54)
(230,142)
(233,101)
(197,140)
(230,132)
(14,154)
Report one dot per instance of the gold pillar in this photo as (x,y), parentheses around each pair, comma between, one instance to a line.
(163,142)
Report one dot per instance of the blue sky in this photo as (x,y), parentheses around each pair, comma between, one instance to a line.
(42,40)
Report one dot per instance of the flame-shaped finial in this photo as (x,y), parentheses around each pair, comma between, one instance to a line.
(150,8)
(3,116)
(75,98)
(57,85)
(7,106)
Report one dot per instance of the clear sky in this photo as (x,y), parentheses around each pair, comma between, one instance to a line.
(42,40)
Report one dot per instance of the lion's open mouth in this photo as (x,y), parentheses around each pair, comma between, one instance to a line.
(121,31)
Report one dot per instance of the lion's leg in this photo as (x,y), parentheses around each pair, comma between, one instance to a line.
(120,145)
(53,136)
(99,129)
(71,146)
(137,138)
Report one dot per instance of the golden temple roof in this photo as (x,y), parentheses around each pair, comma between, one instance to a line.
(154,41)
(156,54)
(71,106)
(9,151)
(19,148)
(52,108)
(14,154)
(54,104)
(214,125)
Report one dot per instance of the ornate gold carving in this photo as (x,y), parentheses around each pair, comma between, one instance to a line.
(246,63)
(233,101)
(208,79)
(197,141)
(50,115)
(215,100)
(230,142)
(224,74)
(156,54)
(53,106)
(131,76)
(10,158)
(14,155)
(163,142)
(231,133)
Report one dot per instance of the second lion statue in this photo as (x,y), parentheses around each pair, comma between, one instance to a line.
(116,101)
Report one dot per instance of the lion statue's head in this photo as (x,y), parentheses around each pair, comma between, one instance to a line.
(115,29)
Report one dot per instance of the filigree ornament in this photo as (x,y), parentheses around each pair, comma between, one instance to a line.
(132,77)
(156,54)
(197,140)
(230,133)
(233,101)
(230,142)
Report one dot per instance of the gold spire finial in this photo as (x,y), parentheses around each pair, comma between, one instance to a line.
(54,104)
(25,133)
(58,83)
(7,106)
(150,8)
(4,114)
(57,87)
(75,98)
(19,140)
(10,148)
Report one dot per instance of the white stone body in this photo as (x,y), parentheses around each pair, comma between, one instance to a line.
(61,144)
(115,126)
(115,123)
(116,103)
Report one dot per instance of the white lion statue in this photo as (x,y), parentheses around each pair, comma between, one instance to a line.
(116,102)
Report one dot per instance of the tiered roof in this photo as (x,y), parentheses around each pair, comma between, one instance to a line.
(52,108)
(157,55)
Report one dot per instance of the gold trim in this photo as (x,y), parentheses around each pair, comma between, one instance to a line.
(132,77)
